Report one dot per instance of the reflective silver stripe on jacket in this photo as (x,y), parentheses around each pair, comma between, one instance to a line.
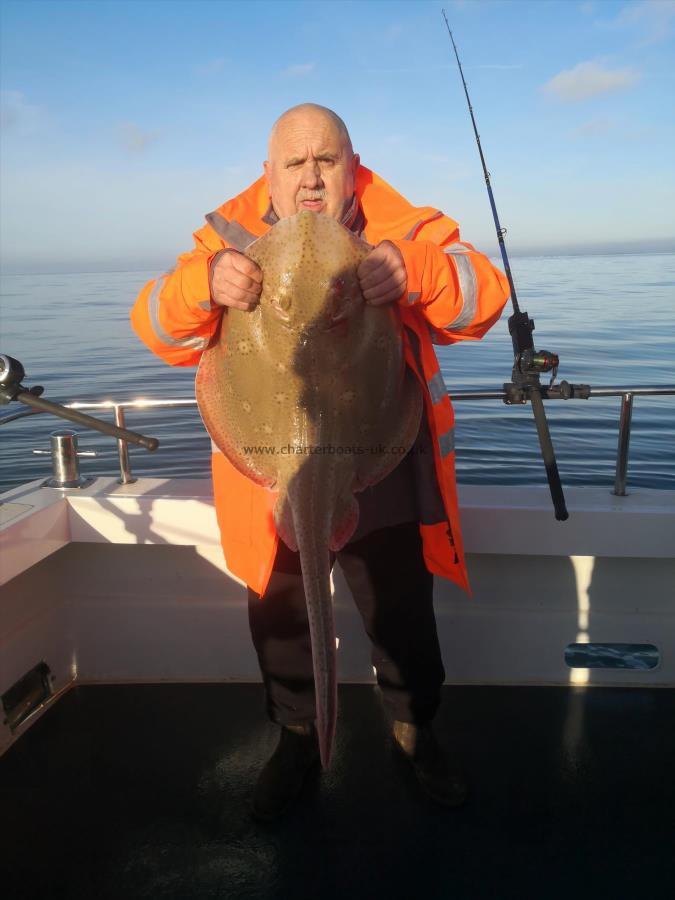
(196,343)
(446,442)
(437,387)
(468,285)
(430,504)
(214,447)
(232,232)
(413,297)
(413,231)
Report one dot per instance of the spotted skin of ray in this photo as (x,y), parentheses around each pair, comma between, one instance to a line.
(309,396)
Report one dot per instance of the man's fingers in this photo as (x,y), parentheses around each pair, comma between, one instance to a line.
(238,279)
(374,259)
(377,276)
(240,304)
(369,272)
(225,293)
(243,264)
(395,282)
(229,295)
(389,297)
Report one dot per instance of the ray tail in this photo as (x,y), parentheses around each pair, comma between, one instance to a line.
(315,563)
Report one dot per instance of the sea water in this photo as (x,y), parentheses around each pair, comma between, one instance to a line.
(611,319)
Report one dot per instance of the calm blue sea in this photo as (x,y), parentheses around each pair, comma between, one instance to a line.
(610,318)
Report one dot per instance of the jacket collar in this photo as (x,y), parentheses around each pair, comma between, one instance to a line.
(379,211)
(352,219)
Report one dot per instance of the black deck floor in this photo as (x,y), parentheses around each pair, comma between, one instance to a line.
(143,791)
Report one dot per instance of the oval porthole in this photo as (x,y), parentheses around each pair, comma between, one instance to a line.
(611,656)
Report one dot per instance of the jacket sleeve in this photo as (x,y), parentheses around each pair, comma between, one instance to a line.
(173,314)
(457,290)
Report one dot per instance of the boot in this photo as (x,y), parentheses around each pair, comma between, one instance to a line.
(430,763)
(283,775)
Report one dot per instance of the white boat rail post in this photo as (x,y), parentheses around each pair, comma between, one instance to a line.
(622,448)
(123,448)
(126,475)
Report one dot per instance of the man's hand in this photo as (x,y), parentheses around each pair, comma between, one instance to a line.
(382,275)
(235,280)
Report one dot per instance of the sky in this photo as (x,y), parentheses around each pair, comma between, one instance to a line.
(124,123)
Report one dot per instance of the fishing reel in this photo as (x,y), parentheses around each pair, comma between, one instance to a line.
(528,363)
(12,374)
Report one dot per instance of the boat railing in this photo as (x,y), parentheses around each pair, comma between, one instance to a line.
(627,395)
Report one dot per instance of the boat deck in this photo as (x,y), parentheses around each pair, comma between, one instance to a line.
(126,791)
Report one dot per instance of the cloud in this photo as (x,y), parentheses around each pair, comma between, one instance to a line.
(407,70)
(443,67)
(393,31)
(299,70)
(589,79)
(587,8)
(597,127)
(623,131)
(134,139)
(17,115)
(211,66)
(654,18)
(500,66)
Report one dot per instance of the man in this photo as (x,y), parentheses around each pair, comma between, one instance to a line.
(409,523)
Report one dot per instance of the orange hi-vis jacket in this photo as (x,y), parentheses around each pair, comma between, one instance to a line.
(454,293)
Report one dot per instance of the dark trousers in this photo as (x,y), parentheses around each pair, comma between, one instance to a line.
(393,591)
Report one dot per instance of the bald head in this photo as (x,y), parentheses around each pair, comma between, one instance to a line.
(311,163)
(304,113)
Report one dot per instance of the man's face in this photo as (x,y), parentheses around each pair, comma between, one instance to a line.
(310,166)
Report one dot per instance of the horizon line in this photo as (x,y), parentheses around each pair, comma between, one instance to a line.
(656,247)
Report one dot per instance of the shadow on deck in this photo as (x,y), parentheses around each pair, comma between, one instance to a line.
(143,791)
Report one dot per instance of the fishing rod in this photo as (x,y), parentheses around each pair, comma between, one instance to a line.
(12,374)
(528,362)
